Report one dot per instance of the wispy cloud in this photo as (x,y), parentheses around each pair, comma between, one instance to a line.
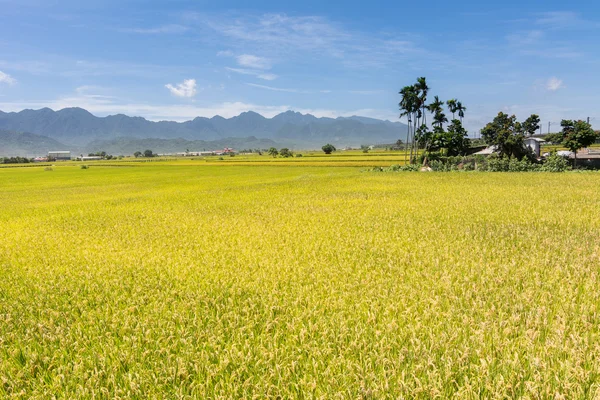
(259,74)
(251,61)
(554,84)
(7,79)
(537,43)
(185,89)
(166,29)
(365,92)
(525,38)
(289,37)
(564,20)
(276,89)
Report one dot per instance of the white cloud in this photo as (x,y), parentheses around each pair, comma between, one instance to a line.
(225,53)
(554,84)
(259,74)
(6,78)
(185,89)
(251,61)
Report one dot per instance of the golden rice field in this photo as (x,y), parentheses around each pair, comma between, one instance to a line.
(195,281)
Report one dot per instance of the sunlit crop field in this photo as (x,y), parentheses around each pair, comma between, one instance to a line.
(197,281)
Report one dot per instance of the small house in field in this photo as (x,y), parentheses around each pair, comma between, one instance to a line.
(535,144)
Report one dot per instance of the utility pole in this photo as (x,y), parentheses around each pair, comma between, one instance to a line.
(549,127)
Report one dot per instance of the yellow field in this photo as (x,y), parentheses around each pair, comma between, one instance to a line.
(190,280)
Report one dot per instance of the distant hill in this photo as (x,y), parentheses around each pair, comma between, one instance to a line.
(26,144)
(78,127)
(131,145)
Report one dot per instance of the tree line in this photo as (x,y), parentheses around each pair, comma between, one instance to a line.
(452,141)
(505,133)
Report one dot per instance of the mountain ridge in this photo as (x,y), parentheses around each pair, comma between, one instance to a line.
(78,127)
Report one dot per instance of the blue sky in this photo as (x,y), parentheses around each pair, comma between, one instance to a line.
(179,59)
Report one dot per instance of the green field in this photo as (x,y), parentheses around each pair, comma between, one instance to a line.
(191,280)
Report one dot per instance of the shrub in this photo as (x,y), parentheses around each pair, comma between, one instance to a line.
(497,164)
(84,167)
(555,163)
(524,165)
(328,148)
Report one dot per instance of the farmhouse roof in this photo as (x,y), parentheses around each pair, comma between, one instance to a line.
(487,151)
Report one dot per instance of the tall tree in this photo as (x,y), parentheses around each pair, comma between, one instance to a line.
(409,105)
(456,139)
(436,108)
(531,125)
(461,110)
(423,90)
(452,106)
(577,135)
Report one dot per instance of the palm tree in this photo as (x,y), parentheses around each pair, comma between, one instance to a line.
(452,106)
(422,89)
(408,103)
(438,112)
(461,110)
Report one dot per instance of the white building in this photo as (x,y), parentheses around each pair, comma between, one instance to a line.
(60,155)
(535,144)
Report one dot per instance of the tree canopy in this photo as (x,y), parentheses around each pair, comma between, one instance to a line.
(508,135)
(577,135)
(328,148)
(413,105)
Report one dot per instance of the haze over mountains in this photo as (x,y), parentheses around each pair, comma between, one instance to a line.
(79,130)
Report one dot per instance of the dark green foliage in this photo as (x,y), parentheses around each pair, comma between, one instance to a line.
(148,153)
(16,160)
(493,163)
(456,141)
(328,148)
(273,152)
(507,134)
(577,135)
(554,138)
(531,125)
(555,163)
(286,153)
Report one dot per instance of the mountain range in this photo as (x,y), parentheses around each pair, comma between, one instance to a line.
(79,129)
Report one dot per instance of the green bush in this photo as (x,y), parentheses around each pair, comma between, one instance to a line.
(524,165)
(555,163)
(84,167)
